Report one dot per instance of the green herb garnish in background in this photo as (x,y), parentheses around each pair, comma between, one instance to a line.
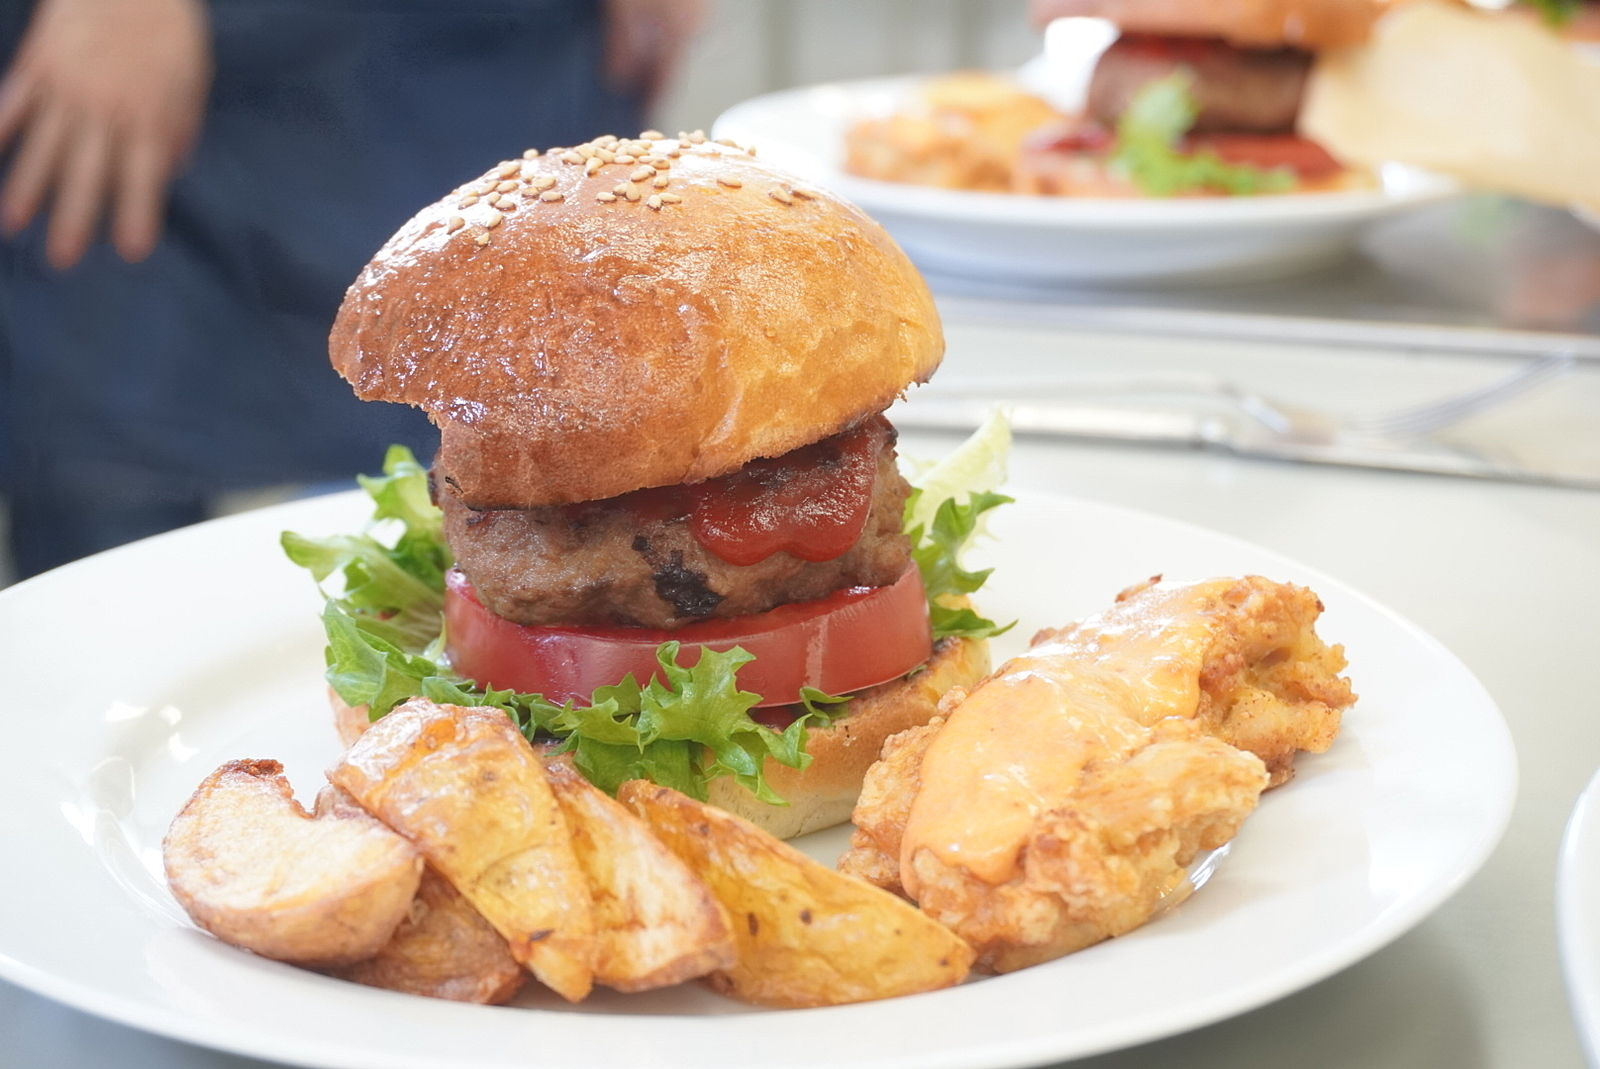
(1556,13)
(1146,151)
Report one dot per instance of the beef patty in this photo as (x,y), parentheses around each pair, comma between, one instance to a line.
(607,563)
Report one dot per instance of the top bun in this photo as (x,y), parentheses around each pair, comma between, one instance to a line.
(1307,24)
(580,329)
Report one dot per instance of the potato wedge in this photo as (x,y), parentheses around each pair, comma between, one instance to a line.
(465,787)
(252,867)
(807,935)
(657,923)
(443,948)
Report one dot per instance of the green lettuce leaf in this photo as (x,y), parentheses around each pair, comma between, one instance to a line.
(1146,150)
(937,551)
(944,515)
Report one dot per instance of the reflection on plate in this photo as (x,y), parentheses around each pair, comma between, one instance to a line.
(134,673)
(1578,916)
(1064,238)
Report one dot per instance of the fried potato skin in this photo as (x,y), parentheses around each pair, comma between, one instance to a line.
(656,922)
(807,936)
(252,867)
(442,948)
(465,787)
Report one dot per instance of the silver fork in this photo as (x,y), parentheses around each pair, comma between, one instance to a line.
(1295,423)
(1404,424)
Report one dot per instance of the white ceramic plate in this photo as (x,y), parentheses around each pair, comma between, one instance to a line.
(1578,916)
(1064,238)
(132,674)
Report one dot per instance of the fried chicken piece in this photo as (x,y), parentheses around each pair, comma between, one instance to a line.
(1240,657)
(1063,800)
(885,803)
(964,133)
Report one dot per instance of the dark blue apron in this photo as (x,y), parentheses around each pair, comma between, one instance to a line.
(134,392)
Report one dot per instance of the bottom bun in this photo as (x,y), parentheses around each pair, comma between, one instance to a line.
(824,793)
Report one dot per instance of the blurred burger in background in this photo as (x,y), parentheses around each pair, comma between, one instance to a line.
(1188,98)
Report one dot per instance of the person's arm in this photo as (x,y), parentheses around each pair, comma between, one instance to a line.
(644,41)
(99,109)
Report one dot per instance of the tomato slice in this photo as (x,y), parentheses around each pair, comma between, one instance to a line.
(853,638)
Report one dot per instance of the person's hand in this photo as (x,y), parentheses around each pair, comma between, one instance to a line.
(100,107)
(644,41)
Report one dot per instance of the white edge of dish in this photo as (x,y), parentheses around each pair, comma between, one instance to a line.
(1578,916)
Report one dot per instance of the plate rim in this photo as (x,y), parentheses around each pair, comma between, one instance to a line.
(1578,915)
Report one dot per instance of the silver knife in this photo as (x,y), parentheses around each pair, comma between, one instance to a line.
(1237,434)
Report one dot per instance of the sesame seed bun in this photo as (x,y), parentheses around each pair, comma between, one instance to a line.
(597,332)
(1307,24)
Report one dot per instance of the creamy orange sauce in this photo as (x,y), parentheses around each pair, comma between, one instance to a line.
(1018,745)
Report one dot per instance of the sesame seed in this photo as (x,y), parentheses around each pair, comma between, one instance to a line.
(729,181)
(605,198)
(654,202)
(641,174)
(505,203)
(455,223)
(751,149)
(468,201)
(671,198)
(506,187)
(806,194)
(661,164)
(544,182)
(550,196)
(624,158)
(493,220)
(730,142)
(571,157)
(662,182)
(607,155)
(606,139)
(620,189)
(780,195)
(698,137)
(555,151)
(594,164)
(531,154)
(506,170)
(633,193)
(481,238)
(586,151)
(652,135)
(647,159)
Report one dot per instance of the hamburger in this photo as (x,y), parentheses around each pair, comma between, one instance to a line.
(659,369)
(1197,96)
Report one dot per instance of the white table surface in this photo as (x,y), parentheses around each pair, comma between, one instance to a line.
(1507,576)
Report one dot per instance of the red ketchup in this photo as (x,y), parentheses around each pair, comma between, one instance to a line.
(812,502)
